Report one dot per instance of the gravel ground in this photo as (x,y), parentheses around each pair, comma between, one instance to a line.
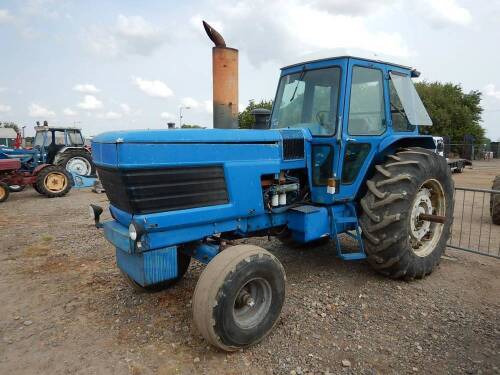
(66,310)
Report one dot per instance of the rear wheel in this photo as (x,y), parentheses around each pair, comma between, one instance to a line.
(398,242)
(183,262)
(53,181)
(495,202)
(4,192)
(77,161)
(239,296)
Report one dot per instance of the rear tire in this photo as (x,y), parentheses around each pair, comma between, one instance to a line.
(238,297)
(77,161)
(4,192)
(397,243)
(53,181)
(183,262)
(495,202)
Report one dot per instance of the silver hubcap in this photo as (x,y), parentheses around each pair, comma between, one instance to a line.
(425,235)
(79,166)
(252,303)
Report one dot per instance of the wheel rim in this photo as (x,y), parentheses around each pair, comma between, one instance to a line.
(3,192)
(252,303)
(55,182)
(79,165)
(425,235)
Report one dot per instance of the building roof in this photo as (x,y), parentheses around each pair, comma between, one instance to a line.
(7,133)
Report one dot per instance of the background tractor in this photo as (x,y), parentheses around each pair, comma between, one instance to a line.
(64,146)
(343,157)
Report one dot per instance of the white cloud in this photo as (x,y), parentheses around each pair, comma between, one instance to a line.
(190,102)
(209,106)
(86,88)
(90,102)
(309,24)
(129,35)
(350,7)
(153,88)
(167,116)
(110,115)
(491,90)
(443,12)
(36,110)
(5,108)
(125,108)
(5,16)
(69,112)
(3,89)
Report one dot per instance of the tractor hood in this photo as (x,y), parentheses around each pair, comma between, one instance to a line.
(153,171)
(189,136)
(158,148)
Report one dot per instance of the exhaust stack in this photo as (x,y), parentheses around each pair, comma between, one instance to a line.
(225,81)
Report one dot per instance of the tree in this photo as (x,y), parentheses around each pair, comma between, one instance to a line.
(453,112)
(11,125)
(245,118)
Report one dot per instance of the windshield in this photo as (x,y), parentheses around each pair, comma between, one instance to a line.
(39,139)
(308,99)
(413,107)
(75,138)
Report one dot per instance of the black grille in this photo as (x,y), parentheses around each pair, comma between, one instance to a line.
(141,191)
(293,144)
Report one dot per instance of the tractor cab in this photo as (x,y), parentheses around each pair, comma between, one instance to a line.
(353,108)
(51,140)
(63,146)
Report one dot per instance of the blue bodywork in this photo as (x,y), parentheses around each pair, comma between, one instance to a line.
(245,156)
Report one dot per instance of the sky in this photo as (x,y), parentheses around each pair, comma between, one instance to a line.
(108,65)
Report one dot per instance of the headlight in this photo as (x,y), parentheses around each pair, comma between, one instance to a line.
(132,232)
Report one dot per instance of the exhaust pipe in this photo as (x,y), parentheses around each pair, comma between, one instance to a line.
(225,81)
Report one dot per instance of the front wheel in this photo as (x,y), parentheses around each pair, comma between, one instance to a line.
(16,188)
(400,242)
(53,181)
(4,192)
(239,296)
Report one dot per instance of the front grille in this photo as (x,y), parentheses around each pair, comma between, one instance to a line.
(141,191)
(293,144)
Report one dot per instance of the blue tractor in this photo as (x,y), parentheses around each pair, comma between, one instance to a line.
(343,155)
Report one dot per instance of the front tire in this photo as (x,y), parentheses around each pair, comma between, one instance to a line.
(412,182)
(4,192)
(53,181)
(239,296)
(16,188)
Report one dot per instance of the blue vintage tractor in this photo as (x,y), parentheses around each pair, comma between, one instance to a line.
(343,156)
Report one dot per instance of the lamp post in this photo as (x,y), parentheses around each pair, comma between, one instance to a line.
(180,114)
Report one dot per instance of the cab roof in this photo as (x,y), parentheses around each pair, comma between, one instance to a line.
(52,127)
(348,57)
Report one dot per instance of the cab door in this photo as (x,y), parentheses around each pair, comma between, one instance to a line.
(364,124)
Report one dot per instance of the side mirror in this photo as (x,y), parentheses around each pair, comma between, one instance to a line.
(261,116)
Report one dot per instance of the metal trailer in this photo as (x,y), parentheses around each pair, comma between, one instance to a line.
(343,156)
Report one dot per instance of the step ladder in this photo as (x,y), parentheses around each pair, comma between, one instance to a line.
(338,222)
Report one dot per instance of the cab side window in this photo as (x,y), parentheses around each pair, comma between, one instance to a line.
(366,109)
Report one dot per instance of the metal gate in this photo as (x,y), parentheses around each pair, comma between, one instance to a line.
(473,230)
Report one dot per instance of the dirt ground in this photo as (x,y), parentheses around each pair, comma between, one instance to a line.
(66,309)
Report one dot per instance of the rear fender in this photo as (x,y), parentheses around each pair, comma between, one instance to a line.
(389,146)
(39,168)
